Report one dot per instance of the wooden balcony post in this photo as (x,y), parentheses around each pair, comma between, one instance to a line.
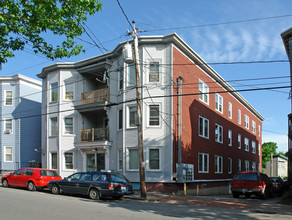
(92,134)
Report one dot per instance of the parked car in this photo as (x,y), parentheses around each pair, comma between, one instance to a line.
(251,183)
(93,184)
(286,185)
(278,185)
(30,178)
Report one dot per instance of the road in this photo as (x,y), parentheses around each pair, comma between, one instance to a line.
(23,204)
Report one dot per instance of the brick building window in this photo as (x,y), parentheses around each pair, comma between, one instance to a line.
(246,165)
(219,102)
(229,165)
(253,147)
(239,141)
(253,126)
(246,121)
(218,164)
(239,117)
(203,127)
(203,92)
(218,133)
(239,165)
(246,144)
(229,138)
(230,110)
(203,163)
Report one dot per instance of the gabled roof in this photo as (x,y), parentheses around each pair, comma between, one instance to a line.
(19,77)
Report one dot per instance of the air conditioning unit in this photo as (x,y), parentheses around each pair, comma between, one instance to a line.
(185,172)
(8,131)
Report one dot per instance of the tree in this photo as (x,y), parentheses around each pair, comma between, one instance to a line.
(284,154)
(268,149)
(25,22)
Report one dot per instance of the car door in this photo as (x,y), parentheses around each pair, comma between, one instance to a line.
(82,186)
(14,178)
(68,184)
(24,177)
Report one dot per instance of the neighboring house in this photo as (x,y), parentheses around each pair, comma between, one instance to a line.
(20,116)
(277,167)
(89,117)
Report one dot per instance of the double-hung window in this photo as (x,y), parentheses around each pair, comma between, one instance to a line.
(246,165)
(133,116)
(121,80)
(253,147)
(253,126)
(154,119)
(131,75)
(246,144)
(69,91)
(203,127)
(154,72)
(219,102)
(53,126)
(54,92)
(54,161)
(120,157)
(218,164)
(229,138)
(239,117)
(239,141)
(239,165)
(218,133)
(203,92)
(68,121)
(8,98)
(203,163)
(253,166)
(229,165)
(133,159)
(68,161)
(120,119)
(8,154)
(230,110)
(259,130)
(8,126)
(246,121)
(154,159)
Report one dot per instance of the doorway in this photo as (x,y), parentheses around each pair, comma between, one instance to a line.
(95,162)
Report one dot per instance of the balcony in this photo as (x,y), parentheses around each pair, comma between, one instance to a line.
(100,95)
(94,134)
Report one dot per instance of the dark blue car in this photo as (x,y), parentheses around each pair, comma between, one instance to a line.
(93,184)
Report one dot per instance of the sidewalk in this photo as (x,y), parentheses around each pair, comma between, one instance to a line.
(269,206)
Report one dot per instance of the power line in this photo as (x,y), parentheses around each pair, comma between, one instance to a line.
(125,14)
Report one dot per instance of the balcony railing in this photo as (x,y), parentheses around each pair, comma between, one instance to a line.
(95,134)
(100,95)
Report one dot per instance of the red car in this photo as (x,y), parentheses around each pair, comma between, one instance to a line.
(30,178)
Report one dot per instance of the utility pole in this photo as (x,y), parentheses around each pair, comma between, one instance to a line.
(139,112)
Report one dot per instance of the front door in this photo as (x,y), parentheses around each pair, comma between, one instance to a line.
(95,162)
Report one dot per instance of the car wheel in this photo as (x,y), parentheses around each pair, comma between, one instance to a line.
(55,189)
(5,183)
(235,195)
(31,186)
(94,194)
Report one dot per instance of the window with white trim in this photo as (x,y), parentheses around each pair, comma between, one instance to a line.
(120,158)
(121,80)
(8,125)
(218,164)
(68,123)
(229,165)
(53,126)
(203,127)
(239,117)
(132,116)
(131,75)
(259,130)
(133,163)
(8,97)
(154,72)
(246,121)
(69,91)
(246,165)
(219,102)
(246,144)
(203,92)
(253,166)
(203,163)
(154,159)
(154,119)
(54,160)
(54,92)
(230,110)
(259,149)
(239,165)
(8,154)
(229,138)
(68,160)
(253,126)
(218,133)
(239,141)
(253,147)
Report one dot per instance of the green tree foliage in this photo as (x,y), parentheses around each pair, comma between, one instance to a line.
(25,22)
(268,149)
(284,154)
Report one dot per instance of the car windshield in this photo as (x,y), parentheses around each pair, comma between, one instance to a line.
(118,179)
(48,173)
(246,176)
(275,179)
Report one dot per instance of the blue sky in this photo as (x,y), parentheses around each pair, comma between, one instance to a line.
(212,36)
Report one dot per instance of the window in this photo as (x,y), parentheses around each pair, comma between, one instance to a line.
(246,144)
(218,164)
(239,117)
(253,126)
(253,147)
(133,116)
(218,133)
(229,138)
(219,102)
(54,161)
(239,165)
(259,167)
(154,72)
(8,126)
(121,80)
(239,141)
(246,165)
(68,160)
(203,165)
(154,159)
(259,130)
(246,121)
(154,115)
(133,159)
(229,165)
(253,166)
(53,126)
(8,98)
(68,121)
(259,149)
(203,127)
(8,154)
(28,172)
(54,92)
(203,92)
(230,110)
(120,126)
(131,75)
(69,88)
(120,157)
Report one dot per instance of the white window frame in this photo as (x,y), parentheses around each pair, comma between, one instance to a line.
(239,165)
(205,121)
(230,110)
(246,121)
(203,92)
(218,164)
(219,129)
(150,62)
(259,127)
(50,127)
(246,165)
(239,141)
(5,154)
(128,116)
(128,158)
(230,138)
(253,147)
(253,166)
(239,116)
(64,127)
(253,126)
(52,90)
(129,78)
(229,165)
(6,130)
(148,115)
(5,97)
(204,157)
(259,149)
(121,80)
(218,103)
(64,159)
(51,160)
(120,159)
(68,85)
(246,144)
(148,158)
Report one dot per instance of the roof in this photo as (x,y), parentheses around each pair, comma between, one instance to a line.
(172,38)
(286,35)
(280,155)
(19,77)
